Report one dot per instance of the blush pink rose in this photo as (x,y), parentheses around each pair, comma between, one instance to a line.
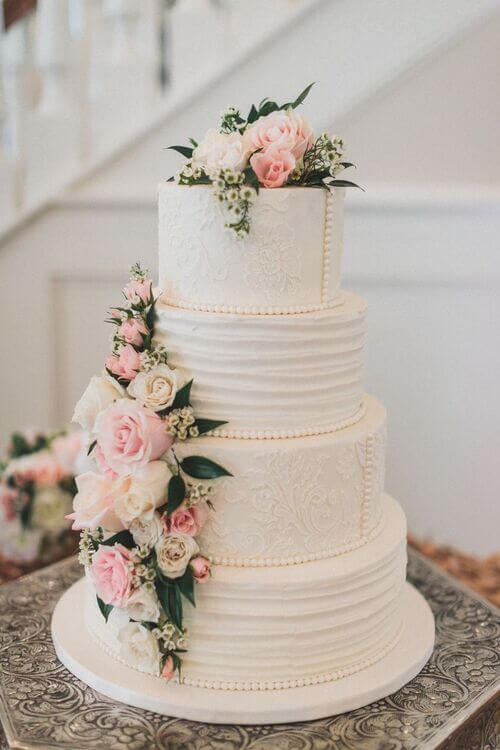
(133,330)
(201,569)
(138,290)
(273,166)
(168,670)
(8,497)
(111,575)
(93,503)
(285,130)
(126,365)
(187,521)
(68,450)
(42,468)
(129,436)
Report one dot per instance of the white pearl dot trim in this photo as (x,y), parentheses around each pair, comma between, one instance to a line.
(251,310)
(249,685)
(279,562)
(327,235)
(368,482)
(283,434)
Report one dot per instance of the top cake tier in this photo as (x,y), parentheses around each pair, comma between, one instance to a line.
(290,262)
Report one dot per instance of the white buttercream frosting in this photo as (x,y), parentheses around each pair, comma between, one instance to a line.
(291,259)
(295,500)
(285,627)
(295,374)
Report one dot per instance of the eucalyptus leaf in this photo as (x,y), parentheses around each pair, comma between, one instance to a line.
(176,493)
(121,537)
(186,151)
(91,447)
(206,425)
(105,608)
(200,467)
(186,585)
(182,396)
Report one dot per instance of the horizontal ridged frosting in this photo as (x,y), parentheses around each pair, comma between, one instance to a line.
(299,373)
(281,627)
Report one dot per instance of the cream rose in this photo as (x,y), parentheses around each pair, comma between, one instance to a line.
(219,151)
(285,130)
(173,553)
(100,393)
(146,531)
(139,648)
(156,388)
(50,506)
(137,497)
(143,605)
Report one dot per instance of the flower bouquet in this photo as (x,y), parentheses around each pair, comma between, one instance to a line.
(37,486)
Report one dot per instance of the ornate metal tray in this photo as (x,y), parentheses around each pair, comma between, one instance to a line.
(453,703)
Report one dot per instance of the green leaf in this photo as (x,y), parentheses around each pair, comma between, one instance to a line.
(186,585)
(193,142)
(170,599)
(344,183)
(203,468)
(105,608)
(91,447)
(182,396)
(252,115)
(176,493)
(151,316)
(267,107)
(27,509)
(251,178)
(122,537)
(183,150)
(298,101)
(206,425)
(347,164)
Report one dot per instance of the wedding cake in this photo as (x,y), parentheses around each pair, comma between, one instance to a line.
(278,563)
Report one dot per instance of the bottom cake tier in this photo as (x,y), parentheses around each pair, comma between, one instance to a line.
(284,627)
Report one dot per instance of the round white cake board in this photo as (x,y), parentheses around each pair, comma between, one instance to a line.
(81,655)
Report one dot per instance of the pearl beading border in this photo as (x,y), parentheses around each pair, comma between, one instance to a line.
(281,562)
(284,434)
(252,310)
(368,482)
(249,685)
(327,235)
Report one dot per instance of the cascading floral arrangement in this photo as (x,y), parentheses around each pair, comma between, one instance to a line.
(141,509)
(36,492)
(272,147)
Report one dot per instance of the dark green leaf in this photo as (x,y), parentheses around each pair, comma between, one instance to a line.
(151,316)
(91,447)
(347,164)
(122,537)
(298,101)
(193,142)
(206,425)
(170,599)
(267,107)
(170,179)
(176,493)
(183,150)
(344,183)
(105,608)
(186,585)
(251,178)
(27,509)
(182,396)
(203,468)
(253,114)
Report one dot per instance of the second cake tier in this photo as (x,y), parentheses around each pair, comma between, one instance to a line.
(296,499)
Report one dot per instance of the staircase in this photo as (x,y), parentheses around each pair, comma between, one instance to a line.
(83,150)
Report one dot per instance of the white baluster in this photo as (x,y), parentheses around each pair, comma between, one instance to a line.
(7,173)
(51,147)
(16,94)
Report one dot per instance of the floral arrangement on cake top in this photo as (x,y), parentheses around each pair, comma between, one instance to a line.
(271,147)
(141,508)
(37,486)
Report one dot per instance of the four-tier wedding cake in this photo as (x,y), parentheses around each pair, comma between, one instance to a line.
(278,563)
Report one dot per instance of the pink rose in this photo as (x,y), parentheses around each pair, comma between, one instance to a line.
(138,290)
(42,468)
(201,569)
(130,436)
(273,166)
(168,670)
(133,330)
(111,575)
(285,130)
(93,503)
(126,365)
(68,450)
(187,520)
(8,497)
